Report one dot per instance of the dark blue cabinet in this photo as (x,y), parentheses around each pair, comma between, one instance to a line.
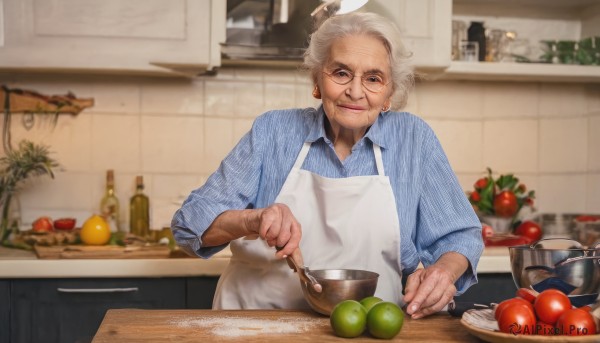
(71,310)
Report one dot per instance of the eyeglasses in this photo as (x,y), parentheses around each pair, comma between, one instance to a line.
(372,82)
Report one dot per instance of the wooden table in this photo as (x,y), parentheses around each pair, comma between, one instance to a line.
(281,326)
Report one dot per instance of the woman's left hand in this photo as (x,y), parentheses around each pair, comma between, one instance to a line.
(428,290)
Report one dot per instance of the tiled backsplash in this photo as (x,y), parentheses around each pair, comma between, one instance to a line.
(174,132)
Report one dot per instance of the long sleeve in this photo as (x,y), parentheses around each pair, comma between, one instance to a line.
(446,220)
(233,186)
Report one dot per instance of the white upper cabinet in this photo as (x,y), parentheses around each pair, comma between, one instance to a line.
(426,27)
(132,36)
(533,21)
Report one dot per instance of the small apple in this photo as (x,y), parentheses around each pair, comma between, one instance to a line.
(42,224)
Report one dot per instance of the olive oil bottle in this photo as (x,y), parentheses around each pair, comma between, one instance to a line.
(109,205)
(139,211)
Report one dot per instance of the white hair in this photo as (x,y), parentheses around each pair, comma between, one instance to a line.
(317,53)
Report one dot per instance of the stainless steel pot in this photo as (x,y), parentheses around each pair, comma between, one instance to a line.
(575,271)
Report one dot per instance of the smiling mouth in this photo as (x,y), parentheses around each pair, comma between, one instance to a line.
(352,107)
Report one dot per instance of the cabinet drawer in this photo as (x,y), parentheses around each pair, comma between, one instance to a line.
(71,310)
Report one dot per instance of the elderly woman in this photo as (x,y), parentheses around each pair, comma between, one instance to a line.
(351,184)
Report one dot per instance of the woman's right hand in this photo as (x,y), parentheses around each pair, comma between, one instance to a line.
(277,225)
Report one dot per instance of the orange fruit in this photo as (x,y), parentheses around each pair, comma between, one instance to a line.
(385,320)
(95,231)
(348,319)
(369,302)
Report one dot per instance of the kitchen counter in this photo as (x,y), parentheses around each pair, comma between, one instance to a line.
(15,263)
(129,325)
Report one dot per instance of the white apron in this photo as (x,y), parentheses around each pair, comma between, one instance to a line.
(347,223)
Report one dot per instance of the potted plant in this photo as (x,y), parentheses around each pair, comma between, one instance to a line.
(28,160)
(498,201)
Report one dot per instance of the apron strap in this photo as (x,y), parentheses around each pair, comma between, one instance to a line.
(302,155)
(378,159)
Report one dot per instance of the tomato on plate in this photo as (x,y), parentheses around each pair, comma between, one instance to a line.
(530,230)
(508,302)
(550,305)
(527,294)
(517,319)
(545,329)
(576,322)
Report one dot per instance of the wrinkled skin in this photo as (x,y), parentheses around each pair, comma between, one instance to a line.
(428,290)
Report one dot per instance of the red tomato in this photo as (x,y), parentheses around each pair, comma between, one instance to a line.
(506,241)
(551,304)
(530,230)
(587,218)
(527,294)
(517,319)
(544,329)
(481,183)
(64,224)
(475,197)
(42,224)
(576,322)
(505,204)
(508,302)
(486,231)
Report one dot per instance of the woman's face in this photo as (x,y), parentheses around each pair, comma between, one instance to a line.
(352,106)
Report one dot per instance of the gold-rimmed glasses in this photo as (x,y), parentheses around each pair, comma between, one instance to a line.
(373,82)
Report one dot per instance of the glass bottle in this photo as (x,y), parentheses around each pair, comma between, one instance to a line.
(139,211)
(109,205)
(476,33)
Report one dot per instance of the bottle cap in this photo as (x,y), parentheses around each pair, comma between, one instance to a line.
(110,176)
(139,180)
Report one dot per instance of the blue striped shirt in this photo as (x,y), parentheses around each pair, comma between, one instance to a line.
(434,213)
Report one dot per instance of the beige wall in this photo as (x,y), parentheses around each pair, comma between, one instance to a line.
(174,132)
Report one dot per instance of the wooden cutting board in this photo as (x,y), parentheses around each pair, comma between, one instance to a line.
(101,252)
(264,326)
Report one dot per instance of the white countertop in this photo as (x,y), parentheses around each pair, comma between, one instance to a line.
(494,260)
(16,263)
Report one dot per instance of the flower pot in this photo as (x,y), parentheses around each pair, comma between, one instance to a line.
(499,224)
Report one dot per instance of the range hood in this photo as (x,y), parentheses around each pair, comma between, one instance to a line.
(265,30)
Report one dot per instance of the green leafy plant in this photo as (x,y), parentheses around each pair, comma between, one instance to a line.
(502,197)
(27,161)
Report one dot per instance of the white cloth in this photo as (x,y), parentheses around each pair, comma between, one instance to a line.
(347,223)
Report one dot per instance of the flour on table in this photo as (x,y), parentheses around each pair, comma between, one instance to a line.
(235,326)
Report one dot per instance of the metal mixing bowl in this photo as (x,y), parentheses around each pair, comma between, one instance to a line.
(574,271)
(339,285)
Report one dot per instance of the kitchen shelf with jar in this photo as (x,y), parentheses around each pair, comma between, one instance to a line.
(535,29)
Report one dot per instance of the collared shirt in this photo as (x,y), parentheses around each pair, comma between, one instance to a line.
(434,213)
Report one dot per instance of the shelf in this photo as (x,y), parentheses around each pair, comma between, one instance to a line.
(27,101)
(521,72)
